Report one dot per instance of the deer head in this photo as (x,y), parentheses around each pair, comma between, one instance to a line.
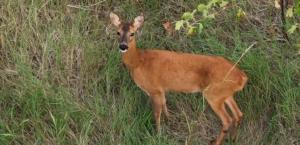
(126,30)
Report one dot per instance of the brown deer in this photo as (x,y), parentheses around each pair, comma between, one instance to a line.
(158,71)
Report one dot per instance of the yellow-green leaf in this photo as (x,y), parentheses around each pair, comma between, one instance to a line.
(210,4)
(191,30)
(201,7)
(289,12)
(187,16)
(276,3)
(179,24)
(292,29)
(240,13)
(194,11)
(204,13)
(223,4)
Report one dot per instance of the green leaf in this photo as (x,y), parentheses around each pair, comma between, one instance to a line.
(191,30)
(212,3)
(289,12)
(298,47)
(204,13)
(179,24)
(6,134)
(194,11)
(297,8)
(223,4)
(241,13)
(215,1)
(209,5)
(292,29)
(187,16)
(211,16)
(200,28)
(201,7)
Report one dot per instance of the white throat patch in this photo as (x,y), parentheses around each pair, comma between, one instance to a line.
(123,51)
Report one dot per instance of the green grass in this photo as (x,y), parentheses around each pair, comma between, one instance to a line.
(63,82)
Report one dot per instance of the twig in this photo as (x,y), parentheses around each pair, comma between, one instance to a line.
(231,69)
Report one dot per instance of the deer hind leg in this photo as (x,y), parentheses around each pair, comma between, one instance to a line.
(158,105)
(216,95)
(237,114)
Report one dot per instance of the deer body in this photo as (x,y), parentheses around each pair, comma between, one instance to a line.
(159,71)
(180,72)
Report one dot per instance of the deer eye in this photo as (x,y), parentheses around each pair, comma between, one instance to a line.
(118,33)
(131,34)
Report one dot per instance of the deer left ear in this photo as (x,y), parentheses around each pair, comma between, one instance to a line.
(138,21)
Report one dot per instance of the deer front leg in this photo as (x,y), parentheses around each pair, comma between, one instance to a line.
(165,110)
(237,114)
(158,102)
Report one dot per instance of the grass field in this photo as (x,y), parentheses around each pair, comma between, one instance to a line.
(62,81)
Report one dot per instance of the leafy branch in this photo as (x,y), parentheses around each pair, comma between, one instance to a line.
(206,11)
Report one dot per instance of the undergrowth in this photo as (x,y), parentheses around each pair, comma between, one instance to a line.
(63,82)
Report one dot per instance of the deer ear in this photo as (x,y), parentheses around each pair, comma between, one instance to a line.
(138,21)
(114,19)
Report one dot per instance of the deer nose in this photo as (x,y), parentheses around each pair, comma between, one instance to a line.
(123,47)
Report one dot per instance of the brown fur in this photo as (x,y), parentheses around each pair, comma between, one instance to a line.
(158,71)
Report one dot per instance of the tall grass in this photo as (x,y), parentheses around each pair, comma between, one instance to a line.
(62,80)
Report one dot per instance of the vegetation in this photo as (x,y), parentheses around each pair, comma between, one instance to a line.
(63,82)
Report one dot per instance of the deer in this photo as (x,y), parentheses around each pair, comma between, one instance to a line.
(158,72)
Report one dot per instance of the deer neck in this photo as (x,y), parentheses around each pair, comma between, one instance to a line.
(131,58)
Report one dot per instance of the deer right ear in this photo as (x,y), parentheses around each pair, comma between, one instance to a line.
(114,19)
